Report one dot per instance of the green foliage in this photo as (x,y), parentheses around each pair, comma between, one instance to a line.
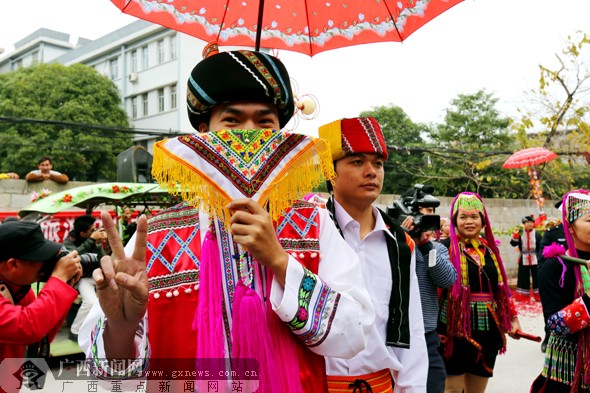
(466,151)
(73,94)
(476,140)
(399,130)
(559,118)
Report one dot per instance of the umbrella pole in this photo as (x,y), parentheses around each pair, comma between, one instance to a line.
(259,24)
(535,183)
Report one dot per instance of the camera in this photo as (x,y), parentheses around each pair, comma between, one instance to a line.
(409,203)
(48,266)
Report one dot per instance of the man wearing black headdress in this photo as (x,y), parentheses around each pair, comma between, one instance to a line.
(528,242)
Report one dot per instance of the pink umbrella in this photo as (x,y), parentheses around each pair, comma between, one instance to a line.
(305,26)
(529,158)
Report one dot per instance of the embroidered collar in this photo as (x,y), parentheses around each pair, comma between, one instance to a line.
(272,167)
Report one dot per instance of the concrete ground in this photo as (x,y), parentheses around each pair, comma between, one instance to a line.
(523,360)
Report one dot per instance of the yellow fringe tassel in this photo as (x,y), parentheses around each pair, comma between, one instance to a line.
(306,171)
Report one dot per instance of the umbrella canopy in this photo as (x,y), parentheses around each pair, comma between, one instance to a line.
(529,157)
(90,196)
(308,27)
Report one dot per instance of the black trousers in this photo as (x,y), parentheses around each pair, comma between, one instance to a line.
(436,367)
(524,277)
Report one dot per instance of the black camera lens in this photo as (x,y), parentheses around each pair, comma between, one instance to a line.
(49,265)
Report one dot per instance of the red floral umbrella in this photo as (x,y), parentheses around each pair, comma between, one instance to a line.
(308,27)
(528,158)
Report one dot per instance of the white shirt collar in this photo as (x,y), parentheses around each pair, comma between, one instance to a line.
(344,219)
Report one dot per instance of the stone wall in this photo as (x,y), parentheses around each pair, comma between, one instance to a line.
(16,194)
(504,213)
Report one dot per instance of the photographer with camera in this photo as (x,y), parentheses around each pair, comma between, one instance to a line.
(395,346)
(25,320)
(87,240)
(415,209)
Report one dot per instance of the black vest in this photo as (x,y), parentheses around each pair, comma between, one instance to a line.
(400,258)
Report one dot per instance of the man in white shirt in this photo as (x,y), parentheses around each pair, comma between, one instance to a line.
(396,346)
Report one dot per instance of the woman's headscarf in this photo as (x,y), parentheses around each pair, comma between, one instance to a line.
(459,313)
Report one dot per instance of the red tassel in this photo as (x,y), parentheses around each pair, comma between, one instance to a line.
(459,318)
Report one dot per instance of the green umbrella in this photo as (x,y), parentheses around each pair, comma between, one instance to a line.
(90,196)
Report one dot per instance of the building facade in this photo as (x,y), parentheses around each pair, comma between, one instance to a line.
(148,63)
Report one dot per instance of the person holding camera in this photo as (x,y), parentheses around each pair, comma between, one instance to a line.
(25,319)
(477,312)
(87,240)
(433,269)
(395,346)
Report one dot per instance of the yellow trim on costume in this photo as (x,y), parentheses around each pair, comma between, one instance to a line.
(182,178)
(332,132)
(309,168)
(306,170)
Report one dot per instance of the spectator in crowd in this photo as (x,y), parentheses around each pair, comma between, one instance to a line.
(528,242)
(126,215)
(444,233)
(87,240)
(127,225)
(45,171)
(553,234)
(25,319)
(434,270)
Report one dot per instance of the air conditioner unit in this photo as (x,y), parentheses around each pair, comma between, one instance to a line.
(133,77)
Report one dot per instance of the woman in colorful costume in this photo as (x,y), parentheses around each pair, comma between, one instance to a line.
(564,288)
(477,312)
(241,270)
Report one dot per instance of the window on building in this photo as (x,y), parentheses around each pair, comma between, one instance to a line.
(144,57)
(35,57)
(160,51)
(145,102)
(17,64)
(133,61)
(114,68)
(134,107)
(173,97)
(173,48)
(161,100)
